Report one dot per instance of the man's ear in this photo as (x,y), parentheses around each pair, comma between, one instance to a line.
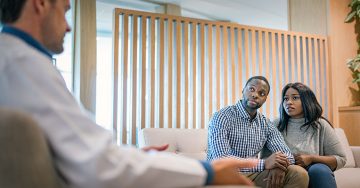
(40,6)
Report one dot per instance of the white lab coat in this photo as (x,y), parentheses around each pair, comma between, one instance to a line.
(83,151)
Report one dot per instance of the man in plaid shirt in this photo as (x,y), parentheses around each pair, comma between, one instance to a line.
(240,132)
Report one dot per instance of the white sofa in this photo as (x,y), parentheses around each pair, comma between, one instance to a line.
(188,142)
(349,176)
(193,143)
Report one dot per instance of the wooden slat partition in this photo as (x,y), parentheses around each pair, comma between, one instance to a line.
(202,75)
(170,75)
(210,64)
(176,72)
(311,62)
(124,71)
(186,53)
(217,67)
(305,61)
(194,69)
(162,62)
(134,78)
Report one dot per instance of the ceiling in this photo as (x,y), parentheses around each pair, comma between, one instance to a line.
(262,13)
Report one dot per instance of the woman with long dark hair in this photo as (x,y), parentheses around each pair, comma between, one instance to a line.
(310,137)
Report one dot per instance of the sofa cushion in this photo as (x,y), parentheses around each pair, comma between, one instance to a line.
(347,177)
(188,142)
(350,162)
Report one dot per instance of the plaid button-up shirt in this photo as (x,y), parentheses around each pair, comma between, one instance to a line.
(232,134)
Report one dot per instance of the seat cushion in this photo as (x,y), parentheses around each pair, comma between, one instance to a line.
(348,177)
(350,162)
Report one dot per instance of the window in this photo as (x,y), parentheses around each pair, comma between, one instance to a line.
(63,61)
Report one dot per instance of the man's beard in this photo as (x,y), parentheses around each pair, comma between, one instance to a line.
(253,107)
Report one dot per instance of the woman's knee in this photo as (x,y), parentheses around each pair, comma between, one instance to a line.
(319,169)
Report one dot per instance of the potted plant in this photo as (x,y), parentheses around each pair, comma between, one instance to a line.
(354,64)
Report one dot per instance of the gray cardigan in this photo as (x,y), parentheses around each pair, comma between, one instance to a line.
(322,141)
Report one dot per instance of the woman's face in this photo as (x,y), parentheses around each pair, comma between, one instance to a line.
(292,103)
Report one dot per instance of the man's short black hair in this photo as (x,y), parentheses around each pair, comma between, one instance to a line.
(259,78)
(10,10)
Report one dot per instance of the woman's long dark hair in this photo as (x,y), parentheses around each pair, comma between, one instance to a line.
(311,107)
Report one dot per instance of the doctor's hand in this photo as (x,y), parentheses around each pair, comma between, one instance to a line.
(156,148)
(226,171)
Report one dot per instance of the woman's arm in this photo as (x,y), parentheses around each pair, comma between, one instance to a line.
(332,146)
(305,160)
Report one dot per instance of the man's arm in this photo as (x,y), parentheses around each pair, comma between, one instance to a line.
(275,143)
(218,141)
(280,158)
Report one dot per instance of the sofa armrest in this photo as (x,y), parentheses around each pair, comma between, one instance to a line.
(356,152)
(25,159)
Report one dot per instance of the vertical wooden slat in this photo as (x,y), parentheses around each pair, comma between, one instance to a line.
(274,73)
(286,56)
(153,63)
(116,73)
(316,55)
(261,58)
(253,52)
(280,63)
(298,57)
(134,80)
(143,72)
(194,71)
(305,72)
(240,71)
(202,80)
(233,65)
(247,53)
(261,53)
(170,75)
(292,62)
(217,67)
(225,55)
(267,67)
(124,79)
(161,87)
(311,64)
(280,73)
(210,55)
(178,73)
(186,53)
(321,73)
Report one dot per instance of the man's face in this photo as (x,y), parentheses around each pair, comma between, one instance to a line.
(55,26)
(255,94)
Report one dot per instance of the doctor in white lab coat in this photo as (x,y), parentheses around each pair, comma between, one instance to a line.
(83,152)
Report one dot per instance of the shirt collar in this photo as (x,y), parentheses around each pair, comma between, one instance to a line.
(26,38)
